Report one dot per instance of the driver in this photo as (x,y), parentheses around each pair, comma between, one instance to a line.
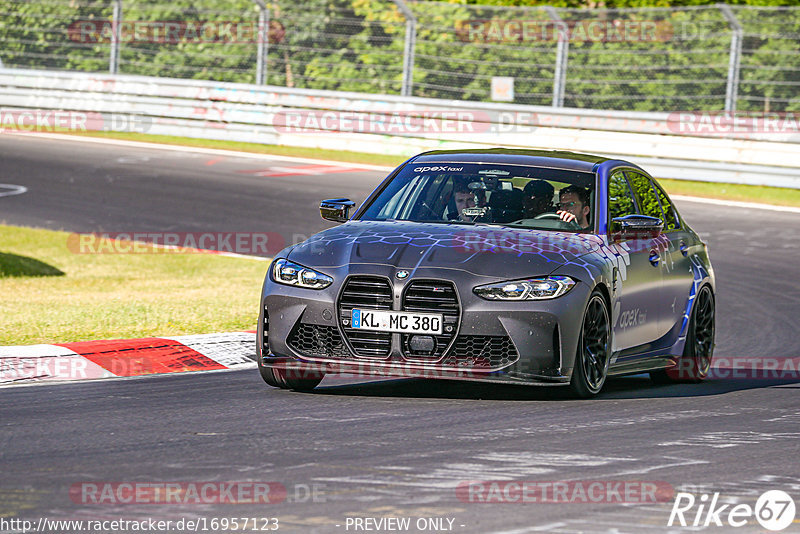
(463,198)
(538,198)
(573,205)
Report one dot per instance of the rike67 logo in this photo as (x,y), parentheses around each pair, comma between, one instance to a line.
(774,510)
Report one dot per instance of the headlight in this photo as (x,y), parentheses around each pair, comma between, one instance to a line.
(293,274)
(531,289)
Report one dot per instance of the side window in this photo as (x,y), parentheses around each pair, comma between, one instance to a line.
(400,201)
(671,221)
(431,202)
(620,198)
(648,200)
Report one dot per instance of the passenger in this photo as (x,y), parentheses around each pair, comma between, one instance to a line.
(538,198)
(573,205)
(506,205)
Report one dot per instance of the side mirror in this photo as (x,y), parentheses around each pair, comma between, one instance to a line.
(639,225)
(336,209)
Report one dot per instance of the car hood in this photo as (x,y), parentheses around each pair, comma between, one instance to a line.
(484,250)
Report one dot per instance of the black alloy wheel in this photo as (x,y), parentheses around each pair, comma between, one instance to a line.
(594,349)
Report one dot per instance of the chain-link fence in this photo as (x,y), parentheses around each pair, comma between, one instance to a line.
(651,59)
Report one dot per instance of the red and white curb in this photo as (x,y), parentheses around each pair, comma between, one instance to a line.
(114,358)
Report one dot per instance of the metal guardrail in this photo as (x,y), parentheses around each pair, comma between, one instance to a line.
(251,113)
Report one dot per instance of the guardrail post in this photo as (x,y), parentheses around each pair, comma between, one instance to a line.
(732,89)
(562,53)
(408,49)
(116,31)
(263,42)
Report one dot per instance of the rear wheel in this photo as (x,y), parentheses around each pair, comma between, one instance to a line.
(281,378)
(695,363)
(591,362)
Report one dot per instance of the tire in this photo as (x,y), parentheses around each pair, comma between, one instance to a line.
(594,349)
(279,378)
(695,362)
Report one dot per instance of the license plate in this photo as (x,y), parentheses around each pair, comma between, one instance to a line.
(394,321)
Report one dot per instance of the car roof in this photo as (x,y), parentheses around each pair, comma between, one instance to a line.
(557,159)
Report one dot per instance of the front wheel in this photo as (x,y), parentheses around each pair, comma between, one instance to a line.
(593,357)
(695,363)
(286,379)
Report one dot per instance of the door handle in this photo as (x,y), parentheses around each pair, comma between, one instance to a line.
(684,248)
(654,258)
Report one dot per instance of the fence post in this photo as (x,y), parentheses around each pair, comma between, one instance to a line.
(407,88)
(263,42)
(116,31)
(562,53)
(732,90)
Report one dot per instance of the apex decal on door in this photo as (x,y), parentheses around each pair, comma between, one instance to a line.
(632,317)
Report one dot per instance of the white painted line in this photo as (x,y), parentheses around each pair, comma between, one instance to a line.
(380,168)
(525,530)
(12,189)
(548,527)
(226,254)
(735,203)
(205,151)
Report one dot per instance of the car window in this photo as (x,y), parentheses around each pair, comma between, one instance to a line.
(620,198)
(401,200)
(486,193)
(671,221)
(648,200)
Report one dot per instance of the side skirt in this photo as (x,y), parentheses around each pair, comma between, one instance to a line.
(644,364)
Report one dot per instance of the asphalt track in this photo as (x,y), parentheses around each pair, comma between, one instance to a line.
(386,448)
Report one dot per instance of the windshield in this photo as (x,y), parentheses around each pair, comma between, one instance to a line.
(481,193)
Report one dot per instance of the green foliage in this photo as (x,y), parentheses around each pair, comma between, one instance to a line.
(646,195)
(620,198)
(624,3)
(36,35)
(678,62)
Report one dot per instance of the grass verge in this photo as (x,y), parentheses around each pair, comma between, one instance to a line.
(50,294)
(778,196)
(747,193)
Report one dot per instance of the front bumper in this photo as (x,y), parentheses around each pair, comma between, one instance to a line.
(532,342)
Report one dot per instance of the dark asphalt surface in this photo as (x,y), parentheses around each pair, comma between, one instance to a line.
(387,448)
